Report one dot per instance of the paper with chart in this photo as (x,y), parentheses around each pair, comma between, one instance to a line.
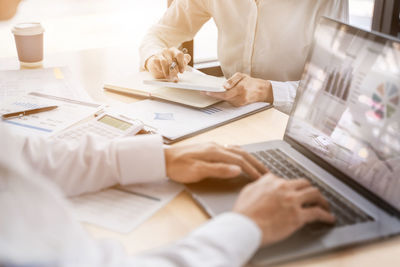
(122,209)
(49,122)
(55,81)
(175,121)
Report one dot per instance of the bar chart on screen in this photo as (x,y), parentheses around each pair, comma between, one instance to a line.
(337,82)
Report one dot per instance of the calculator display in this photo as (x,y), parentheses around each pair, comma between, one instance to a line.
(114,122)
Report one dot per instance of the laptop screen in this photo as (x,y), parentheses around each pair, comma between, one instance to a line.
(348,106)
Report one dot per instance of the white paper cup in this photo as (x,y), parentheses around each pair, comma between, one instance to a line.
(29,42)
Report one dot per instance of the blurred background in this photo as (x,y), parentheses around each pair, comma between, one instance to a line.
(84,24)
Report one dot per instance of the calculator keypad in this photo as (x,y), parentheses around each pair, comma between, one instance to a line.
(89,128)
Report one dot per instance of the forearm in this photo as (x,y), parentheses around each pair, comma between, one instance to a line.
(93,164)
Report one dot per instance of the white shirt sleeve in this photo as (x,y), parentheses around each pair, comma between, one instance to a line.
(284,95)
(92,163)
(36,215)
(230,239)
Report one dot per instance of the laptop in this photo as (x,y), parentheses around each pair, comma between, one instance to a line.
(343,135)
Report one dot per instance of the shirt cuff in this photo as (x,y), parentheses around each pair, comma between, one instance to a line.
(239,236)
(284,94)
(141,159)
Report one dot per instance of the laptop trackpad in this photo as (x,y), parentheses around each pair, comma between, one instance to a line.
(217,195)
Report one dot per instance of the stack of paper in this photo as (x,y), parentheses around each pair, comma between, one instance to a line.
(124,208)
(176,122)
(46,123)
(53,81)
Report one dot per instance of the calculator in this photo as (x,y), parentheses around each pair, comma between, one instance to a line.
(106,125)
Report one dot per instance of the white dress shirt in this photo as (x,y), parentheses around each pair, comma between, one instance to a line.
(267,39)
(37,227)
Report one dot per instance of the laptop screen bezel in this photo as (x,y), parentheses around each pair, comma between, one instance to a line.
(320,161)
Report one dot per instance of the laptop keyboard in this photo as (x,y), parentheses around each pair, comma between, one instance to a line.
(345,212)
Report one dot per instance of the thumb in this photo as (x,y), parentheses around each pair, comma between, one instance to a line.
(187,58)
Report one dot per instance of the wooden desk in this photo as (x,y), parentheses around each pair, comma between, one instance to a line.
(182,215)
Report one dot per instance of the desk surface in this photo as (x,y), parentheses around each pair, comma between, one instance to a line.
(182,215)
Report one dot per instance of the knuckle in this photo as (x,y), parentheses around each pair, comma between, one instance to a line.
(304,180)
(237,74)
(289,198)
(239,158)
(274,176)
(242,102)
(198,169)
(282,185)
(165,50)
(313,191)
(235,103)
(157,61)
(211,147)
(223,96)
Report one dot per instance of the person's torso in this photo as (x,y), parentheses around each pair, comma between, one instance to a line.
(269,39)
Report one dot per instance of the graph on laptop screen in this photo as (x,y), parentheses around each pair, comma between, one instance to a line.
(348,111)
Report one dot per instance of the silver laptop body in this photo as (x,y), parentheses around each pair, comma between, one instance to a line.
(344,135)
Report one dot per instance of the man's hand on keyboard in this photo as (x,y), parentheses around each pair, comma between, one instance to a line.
(193,163)
(280,207)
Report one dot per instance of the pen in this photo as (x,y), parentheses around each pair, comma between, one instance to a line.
(26,112)
(173,64)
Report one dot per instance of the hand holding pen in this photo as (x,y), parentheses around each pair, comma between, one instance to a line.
(168,63)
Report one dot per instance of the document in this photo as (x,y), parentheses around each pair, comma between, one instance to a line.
(191,80)
(53,81)
(176,122)
(45,123)
(121,209)
(134,84)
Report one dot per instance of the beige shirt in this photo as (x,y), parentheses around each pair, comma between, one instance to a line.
(267,39)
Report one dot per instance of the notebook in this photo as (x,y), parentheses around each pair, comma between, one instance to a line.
(192,80)
(133,84)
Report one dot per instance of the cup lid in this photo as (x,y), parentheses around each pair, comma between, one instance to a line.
(28,28)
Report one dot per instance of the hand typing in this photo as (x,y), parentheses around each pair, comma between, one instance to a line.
(189,164)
